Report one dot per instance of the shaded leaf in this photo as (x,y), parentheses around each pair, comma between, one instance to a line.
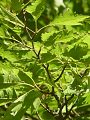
(6,85)
(78,51)
(46,57)
(24,77)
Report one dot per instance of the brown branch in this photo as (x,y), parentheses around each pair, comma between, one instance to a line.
(61,73)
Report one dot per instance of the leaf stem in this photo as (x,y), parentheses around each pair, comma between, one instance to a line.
(35,26)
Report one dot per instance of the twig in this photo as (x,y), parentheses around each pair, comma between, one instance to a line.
(61,73)
(66,104)
(34,49)
(39,53)
(28,33)
(30,30)
(47,108)
(47,70)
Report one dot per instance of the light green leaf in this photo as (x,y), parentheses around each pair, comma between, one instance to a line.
(36,8)
(86,39)
(4,101)
(68,19)
(36,103)
(87,98)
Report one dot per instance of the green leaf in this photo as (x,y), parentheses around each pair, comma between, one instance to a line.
(68,19)
(6,85)
(36,71)
(46,57)
(36,103)
(8,55)
(45,115)
(83,108)
(78,51)
(50,38)
(19,107)
(36,8)
(4,101)
(16,5)
(24,77)
(87,98)
(8,16)
(86,39)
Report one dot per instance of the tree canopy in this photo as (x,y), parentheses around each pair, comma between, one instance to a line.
(44,59)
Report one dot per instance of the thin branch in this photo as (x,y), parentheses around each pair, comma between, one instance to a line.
(28,33)
(69,112)
(56,97)
(47,70)
(61,73)
(66,104)
(35,26)
(30,30)
(47,108)
(34,49)
(39,52)
(38,88)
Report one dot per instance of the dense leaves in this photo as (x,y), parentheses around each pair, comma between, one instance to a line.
(44,60)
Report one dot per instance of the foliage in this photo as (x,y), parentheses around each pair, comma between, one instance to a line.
(44,61)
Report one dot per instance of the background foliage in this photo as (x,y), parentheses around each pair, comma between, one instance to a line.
(44,60)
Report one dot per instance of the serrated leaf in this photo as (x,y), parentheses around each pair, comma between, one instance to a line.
(78,51)
(36,8)
(8,55)
(68,19)
(50,38)
(86,39)
(87,98)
